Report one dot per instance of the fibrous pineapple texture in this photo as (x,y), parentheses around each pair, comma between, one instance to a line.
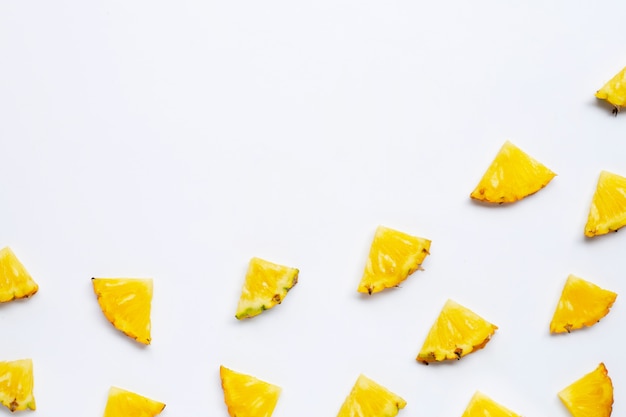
(15,281)
(16,385)
(369,399)
(123,403)
(608,205)
(614,91)
(247,396)
(482,406)
(591,395)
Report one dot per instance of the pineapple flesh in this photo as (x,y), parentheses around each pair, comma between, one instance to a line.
(614,91)
(16,385)
(512,175)
(393,256)
(121,403)
(591,395)
(15,281)
(482,406)
(368,399)
(582,303)
(457,332)
(608,205)
(247,396)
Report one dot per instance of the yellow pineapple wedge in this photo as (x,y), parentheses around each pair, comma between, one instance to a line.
(266,285)
(126,303)
(591,395)
(16,385)
(393,256)
(15,281)
(582,303)
(247,396)
(614,91)
(482,406)
(369,399)
(457,332)
(123,403)
(608,205)
(512,175)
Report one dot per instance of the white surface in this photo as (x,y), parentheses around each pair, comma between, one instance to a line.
(176,140)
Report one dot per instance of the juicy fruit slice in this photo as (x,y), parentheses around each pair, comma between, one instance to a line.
(247,396)
(15,281)
(614,91)
(512,175)
(591,395)
(125,403)
(16,385)
(368,398)
(608,205)
(266,285)
(126,303)
(482,406)
(457,332)
(582,303)
(393,256)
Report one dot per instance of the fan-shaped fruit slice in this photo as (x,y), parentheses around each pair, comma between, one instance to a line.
(608,205)
(247,396)
(482,406)
(126,303)
(123,403)
(512,175)
(457,332)
(369,398)
(393,256)
(582,303)
(266,285)
(16,385)
(614,91)
(15,281)
(591,395)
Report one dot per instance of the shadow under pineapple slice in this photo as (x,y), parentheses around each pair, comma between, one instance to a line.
(591,395)
(368,398)
(393,256)
(512,176)
(16,385)
(247,396)
(457,332)
(15,281)
(482,406)
(614,91)
(608,205)
(582,303)
(121,403)
(126,303)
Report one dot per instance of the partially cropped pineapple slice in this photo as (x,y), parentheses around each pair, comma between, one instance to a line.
(125,403)
(16,385)
(591,395)
(369,398)
(15,281)
(582,303)
(614,91)
(457,332)
(482,406)
(266,285)
(393,256)
(126,303)
(247,396)
(512,175)
(608,206)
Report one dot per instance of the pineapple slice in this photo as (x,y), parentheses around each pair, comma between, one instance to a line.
(482,406)
(16,385)
(392,258)
(126,303)
(512,175)
(266,285)
(608,206)
(591,395)
(457,332)
(247,396)
(582,304)
(125,403)
(15,281)
(368,398)
(614,91)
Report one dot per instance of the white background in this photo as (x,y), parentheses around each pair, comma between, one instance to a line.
(176,140)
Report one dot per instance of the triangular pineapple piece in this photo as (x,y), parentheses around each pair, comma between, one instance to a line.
(266,285)
(393,256)
(582,303)
(126,303)
(125,403)
(512,175)
(608,206)
(368,398)
(15,281)
(247,396)
(482,406)
(457,332)
(591,395)
(614,91)
(16,385)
